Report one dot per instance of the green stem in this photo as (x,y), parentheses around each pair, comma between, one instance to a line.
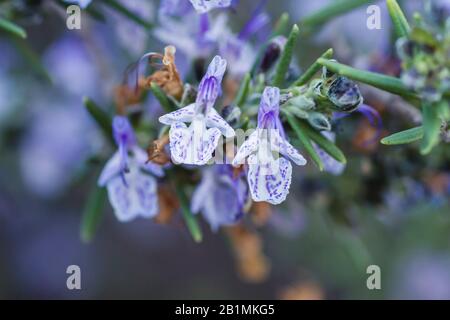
(304,140)
(286,57)
(328,146)
(244,88)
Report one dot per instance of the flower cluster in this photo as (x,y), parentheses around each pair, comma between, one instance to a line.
(206,119)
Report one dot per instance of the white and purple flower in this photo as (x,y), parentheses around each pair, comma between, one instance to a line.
(220,197)
(269,174)
(195,144)
(129,179)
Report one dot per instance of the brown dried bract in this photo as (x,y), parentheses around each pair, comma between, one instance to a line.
(157,152)
(168,205)
(261,212)
(167,78)
(126,96)
(308,290)
(252,264)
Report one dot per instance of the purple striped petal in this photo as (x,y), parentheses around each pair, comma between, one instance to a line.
(185,114)
(269,182)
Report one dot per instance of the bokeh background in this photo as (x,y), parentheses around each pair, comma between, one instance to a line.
(390,207)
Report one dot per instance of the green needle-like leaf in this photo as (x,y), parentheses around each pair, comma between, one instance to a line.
(282,25)
(404,137)
(93,214)
(31,57)
(280,29)
(12,28)
(304,140)
(312,70)
(114,4)
(401,25)
(431,127)
(325,144)
(286,57)
(100,116)
(162,98)
(336,8)
(381,81)
(191,221)
(242,94)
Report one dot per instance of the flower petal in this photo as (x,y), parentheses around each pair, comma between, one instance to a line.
(194,144)
(145,188)
(269,182)
(121,199)
(214,120)
(281,145)
(111,169)
(185,114)
(247,148)
(137,198)
(151,167)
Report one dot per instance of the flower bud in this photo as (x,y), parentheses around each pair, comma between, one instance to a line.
(344,94)
(272,53)
(319,121)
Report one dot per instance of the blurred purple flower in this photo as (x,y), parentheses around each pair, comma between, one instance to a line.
(131,190)
(59,138)
(269,178)
(236,48)
(125,27)
(424,276)
(71,67)
(220,196)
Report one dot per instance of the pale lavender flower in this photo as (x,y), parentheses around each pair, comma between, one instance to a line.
(269,177)
(203,6)
(195,144)
(129,179)
(220,196)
